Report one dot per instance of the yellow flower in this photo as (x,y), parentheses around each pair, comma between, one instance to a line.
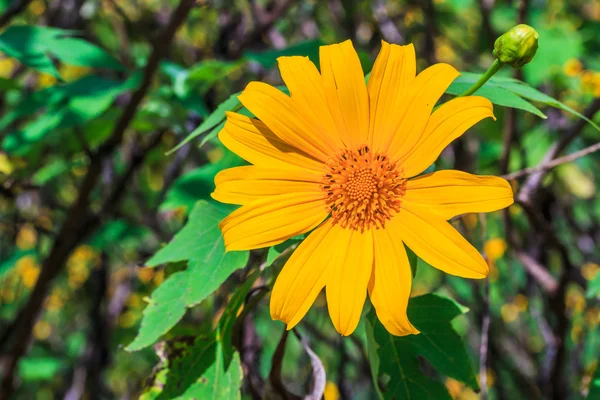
(573,67)
(336,157)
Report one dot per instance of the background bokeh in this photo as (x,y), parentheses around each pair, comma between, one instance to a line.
(86,197)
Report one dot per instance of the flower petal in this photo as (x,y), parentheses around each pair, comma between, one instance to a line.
(308,94)
(346,287)
(346,91)
(391,279)
(451,193)
(393,71)
(446,123)
(437,243)
(304,275)
(272,220)
(280,113)
(251,139)
(415,107)
(243,185)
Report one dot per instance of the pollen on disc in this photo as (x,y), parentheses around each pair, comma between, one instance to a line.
(363,189)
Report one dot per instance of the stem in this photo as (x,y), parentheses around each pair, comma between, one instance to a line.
(495,67)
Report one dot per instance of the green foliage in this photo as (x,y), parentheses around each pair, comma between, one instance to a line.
(32,46)
(268,59)
(200,244)
(438,343)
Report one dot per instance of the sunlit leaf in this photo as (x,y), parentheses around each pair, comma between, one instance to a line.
(200,244)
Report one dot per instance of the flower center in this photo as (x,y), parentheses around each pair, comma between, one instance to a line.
(364,189)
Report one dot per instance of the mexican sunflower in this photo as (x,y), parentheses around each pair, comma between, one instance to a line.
(339,158)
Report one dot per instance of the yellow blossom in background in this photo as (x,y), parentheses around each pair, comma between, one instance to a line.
(330,159)
(6,166)
(589,271)
(145,275)
(28,270)
(520,301)
(573,67)
(46,80)
(592,317)
(509,312)
(73,72)
(7,66)
(494,248)
(135,301)
(42,330)
(128,319)
(56,300)
(470,220)
(331,391)
(37,7)
(27,237)
(159,277)
(575,299)
(79,264)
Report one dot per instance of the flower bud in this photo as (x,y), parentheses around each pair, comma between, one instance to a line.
(517,46)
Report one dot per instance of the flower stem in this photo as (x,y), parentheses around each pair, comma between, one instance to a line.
(495,67)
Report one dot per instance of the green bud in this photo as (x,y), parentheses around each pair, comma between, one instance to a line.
(517,46)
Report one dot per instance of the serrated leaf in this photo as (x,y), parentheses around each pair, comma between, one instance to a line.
(200,244)
(203,366)
(437,342)
(32,46)
(195,369)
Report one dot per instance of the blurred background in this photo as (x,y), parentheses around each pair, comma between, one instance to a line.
(87,193)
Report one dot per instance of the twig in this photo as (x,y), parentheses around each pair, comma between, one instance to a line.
(554,163)
(539,273)
(535,180)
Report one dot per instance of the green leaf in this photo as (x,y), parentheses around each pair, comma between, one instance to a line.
(268,58)
(33,45)
(214,119)
(195,369)
(494,93)
(514,93)
(199,183)
(204,367)
(437,342)
(200,244)
(40,368)
(67,105)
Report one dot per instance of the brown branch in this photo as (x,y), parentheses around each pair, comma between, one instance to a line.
(554,163)
(77,226)
(539,273)
(534,181)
